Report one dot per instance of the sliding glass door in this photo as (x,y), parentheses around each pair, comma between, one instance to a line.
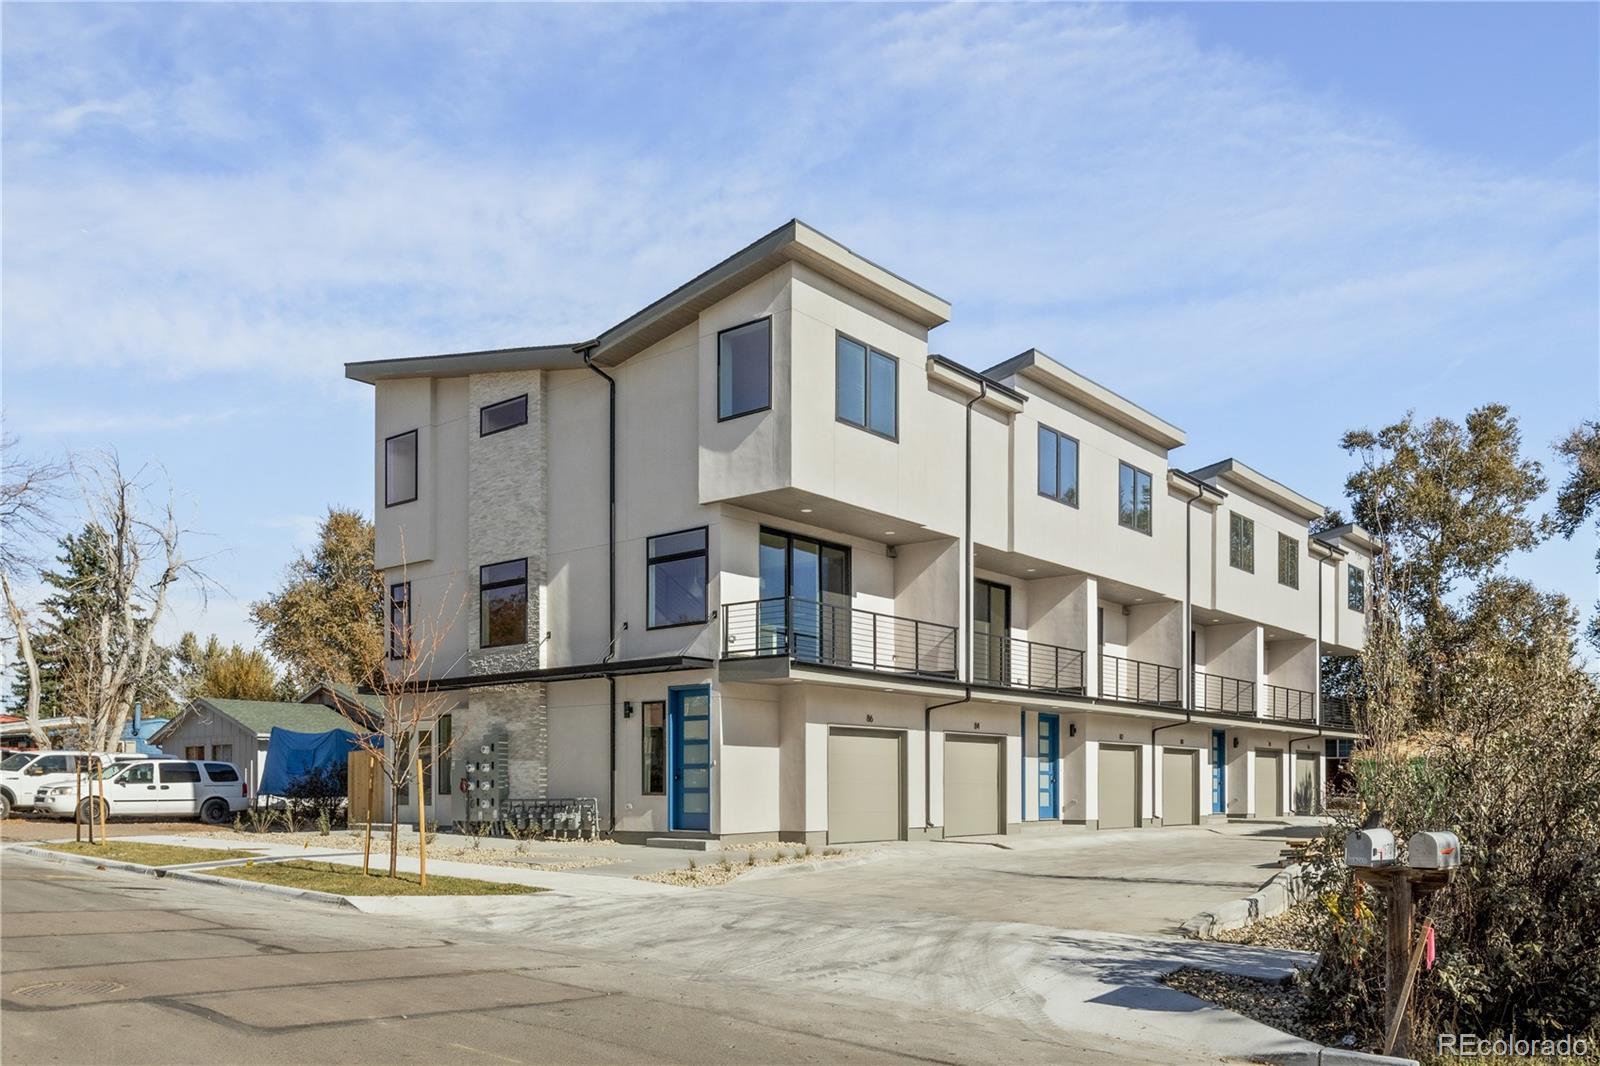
(991,625)
(805,597)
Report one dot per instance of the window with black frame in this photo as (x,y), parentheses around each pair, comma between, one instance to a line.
(1356,589)
(653,720)
(866,387)
(675,582)
(1135,498)
(1288,561)
(503,604)
(744,369)
(400,620)
(507,414)
(1058,466)
(400,469)
(1241,542)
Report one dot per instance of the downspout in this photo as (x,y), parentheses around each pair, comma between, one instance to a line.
(1188,627)
(611,568)
(964,596)
(1188,717)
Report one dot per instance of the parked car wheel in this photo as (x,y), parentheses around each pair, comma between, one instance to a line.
(214,812)
(91,810)
(5,805)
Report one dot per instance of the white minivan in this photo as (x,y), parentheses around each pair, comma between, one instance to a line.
(24,774)
(159,788)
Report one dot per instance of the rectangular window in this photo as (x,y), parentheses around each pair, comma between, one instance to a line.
(194,751)
(445,731)
(866,387)
(744,369)
(1241,542)
(1058,466)
(654,722)
(1288,561)
(507,414)
(1135,498)
(222,752)
(675,581)
(503,603)
(425,769)
(400,620)
(400,468)
(1356,589)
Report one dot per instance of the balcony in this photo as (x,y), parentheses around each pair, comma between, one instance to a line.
(1290,704)
(1006,662)
(1134,681)
(836,635)
(1217,694)
(1336,713)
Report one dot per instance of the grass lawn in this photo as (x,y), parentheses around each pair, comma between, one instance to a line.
(350,881)
(150,854)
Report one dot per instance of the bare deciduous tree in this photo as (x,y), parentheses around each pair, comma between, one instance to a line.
(27,490)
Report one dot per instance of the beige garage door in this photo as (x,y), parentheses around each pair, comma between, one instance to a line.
(1119,787)
(1306,800)
(1180,774)
(973,780)
(1269,784)
(866,786)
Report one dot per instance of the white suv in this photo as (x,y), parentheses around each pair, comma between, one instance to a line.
(23,774)
(158,788)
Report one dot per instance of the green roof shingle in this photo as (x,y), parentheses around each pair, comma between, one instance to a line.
(260,716)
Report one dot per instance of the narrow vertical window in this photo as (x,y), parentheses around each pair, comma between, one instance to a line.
(1288,561)
(1135,498)
(744,369)
(675,582)
(444,731)
(1058,466)
(1356,589)
(400,620)
(866,387)
(503,603)
(654,746)
(1241,542)
(400,468)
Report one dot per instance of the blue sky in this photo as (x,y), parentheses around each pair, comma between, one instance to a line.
(1266,223)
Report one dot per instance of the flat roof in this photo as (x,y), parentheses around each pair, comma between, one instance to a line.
(794,241)
(1040,367)
(1253,480)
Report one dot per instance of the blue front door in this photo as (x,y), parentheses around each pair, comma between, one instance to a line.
(689,724)
(1049,758)
(1219,779)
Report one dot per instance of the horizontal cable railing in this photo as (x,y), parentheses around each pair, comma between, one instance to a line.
(1139,682)
(1012,663)
(1336,712)
(1290,704)
(837,635)
(1224,695)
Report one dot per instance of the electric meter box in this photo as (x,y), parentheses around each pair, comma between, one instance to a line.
(1433,851)
(1369,847)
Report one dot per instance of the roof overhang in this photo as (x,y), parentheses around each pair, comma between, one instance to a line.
(1351,534)
(456,364)
(1201,492)
(1258,484)
(968,382)
(1037,367)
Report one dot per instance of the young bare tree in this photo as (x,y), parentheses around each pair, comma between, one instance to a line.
(412,705)
(142,546)
(28,489)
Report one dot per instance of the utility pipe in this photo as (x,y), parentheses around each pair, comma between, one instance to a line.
(611,567)
(965,597)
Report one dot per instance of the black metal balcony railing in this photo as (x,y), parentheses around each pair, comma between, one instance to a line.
(1290,704)
(1336,713)
(1138,682)
(1012,663)
(1224,695)
(837,635)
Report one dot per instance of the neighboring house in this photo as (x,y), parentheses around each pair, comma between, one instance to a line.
(236,731)
(753,563)
(347,700)
(138,734)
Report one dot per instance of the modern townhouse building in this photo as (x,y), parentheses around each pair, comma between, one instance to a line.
(754,563)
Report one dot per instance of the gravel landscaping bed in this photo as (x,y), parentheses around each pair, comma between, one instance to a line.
(1280,1004)
(708,875)
(1294,929)
(524,854)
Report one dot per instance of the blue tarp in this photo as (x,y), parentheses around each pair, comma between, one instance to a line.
(291,755)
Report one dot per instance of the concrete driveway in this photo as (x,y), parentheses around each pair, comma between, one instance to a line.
(1145,881)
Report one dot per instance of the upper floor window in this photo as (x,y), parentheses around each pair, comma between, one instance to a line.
(1288,561)
(400,468)
(400,620)
(1241,542)
(675,585)
(507,414)
(1356,589)
(744,369)
(866,387)
(503,603)
(1135,497)
(1058,466)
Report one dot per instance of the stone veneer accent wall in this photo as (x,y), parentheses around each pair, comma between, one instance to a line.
(506,514)
(520,714)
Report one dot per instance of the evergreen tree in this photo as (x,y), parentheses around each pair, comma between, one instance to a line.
(77,581)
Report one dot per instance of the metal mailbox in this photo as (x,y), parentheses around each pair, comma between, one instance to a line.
(1369,847)
(1435,850)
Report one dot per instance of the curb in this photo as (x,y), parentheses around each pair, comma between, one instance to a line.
(304,895)
(1282,891)
(1337,1056)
